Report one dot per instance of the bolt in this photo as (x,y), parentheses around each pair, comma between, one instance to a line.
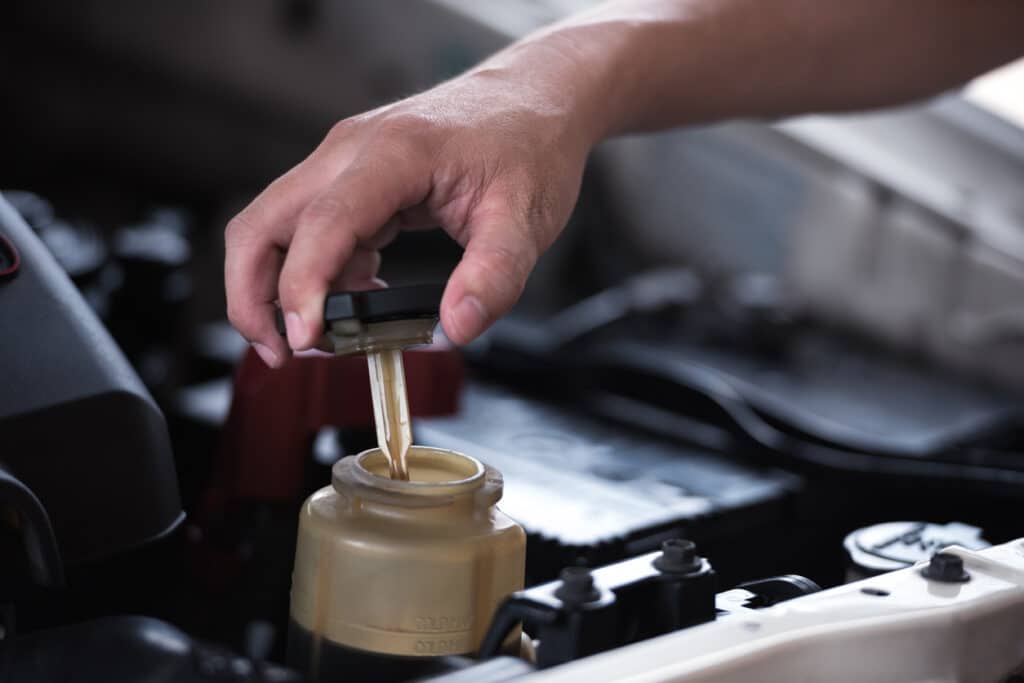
(678,556)
(679,550)
(577,586)
(947,568)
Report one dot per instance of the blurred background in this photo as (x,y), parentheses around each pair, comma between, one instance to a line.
(902,224)
(857,283)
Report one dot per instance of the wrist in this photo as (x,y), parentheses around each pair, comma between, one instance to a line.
(553,74)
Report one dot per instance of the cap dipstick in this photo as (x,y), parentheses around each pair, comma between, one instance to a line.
(390,408)
(380,323)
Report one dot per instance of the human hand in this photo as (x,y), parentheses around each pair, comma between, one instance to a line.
(494,163)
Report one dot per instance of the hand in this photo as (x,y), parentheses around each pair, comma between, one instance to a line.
(495,163)
(495,156)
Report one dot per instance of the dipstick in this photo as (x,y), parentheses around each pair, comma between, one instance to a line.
(390,408)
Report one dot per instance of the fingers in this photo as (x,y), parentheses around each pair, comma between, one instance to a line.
(414,218)
(254,241)
(249,276)
(360,273)
(345,216)
(489,279)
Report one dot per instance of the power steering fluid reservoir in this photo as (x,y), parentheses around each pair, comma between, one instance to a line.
(398,567)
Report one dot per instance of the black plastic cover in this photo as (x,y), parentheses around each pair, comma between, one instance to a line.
(824,404)
(584,488)
(132,650)
(77,426)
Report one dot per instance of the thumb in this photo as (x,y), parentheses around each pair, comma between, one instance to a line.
(485,285)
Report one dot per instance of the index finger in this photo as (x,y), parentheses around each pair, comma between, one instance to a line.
(254,241)
(354,207)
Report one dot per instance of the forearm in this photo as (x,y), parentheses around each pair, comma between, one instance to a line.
(648,64)
(496,156)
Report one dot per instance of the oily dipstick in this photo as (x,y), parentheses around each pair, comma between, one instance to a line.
(391,408)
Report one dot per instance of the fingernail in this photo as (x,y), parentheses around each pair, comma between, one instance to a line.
(268,356)
(313,353)
(296,330)
(470,318)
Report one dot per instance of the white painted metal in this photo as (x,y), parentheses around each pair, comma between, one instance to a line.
(920,631)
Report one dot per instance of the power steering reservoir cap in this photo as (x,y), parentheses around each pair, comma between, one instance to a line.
(392,318)
(890,546)
(379,305)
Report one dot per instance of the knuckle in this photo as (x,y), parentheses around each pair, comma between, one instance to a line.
(296,286)
(341,129)
(324,209)
(239,319)
(404,123)
(504,270)
(237,227)
(290,285)
(289,292)
(364,262)
(406,136)
(253,219)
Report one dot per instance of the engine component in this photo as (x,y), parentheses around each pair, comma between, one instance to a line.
(396,317)
(67,389)
(135,649)
(890,546)
(631,490)
(390,575)
(586,612)
(380,323)
(899,627)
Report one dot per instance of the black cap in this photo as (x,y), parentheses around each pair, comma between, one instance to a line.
(678,556)
(577,586)
(379,305)
(947,568)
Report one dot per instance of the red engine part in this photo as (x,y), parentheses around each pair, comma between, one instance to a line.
(276,414)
